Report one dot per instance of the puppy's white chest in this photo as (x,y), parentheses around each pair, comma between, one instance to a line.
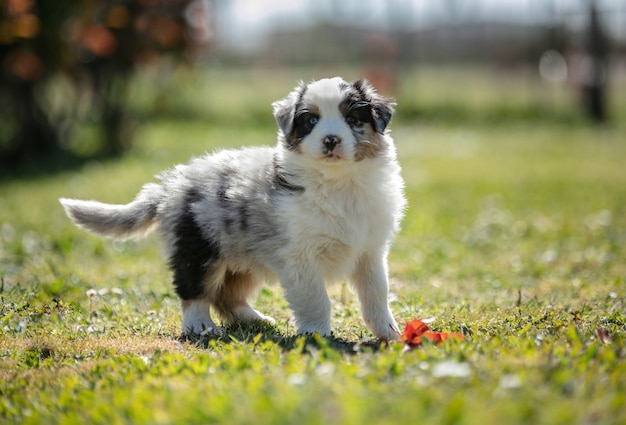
(330,229)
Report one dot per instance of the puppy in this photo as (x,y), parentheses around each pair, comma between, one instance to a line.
(321,205)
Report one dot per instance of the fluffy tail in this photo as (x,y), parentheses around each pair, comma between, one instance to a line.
(117,221)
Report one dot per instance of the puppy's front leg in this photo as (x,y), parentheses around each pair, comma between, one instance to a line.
(371,284)
(307,297)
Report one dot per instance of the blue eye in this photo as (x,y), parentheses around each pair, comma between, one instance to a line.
(306,121)
(351,120)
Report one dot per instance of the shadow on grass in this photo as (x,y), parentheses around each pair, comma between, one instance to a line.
(260,333)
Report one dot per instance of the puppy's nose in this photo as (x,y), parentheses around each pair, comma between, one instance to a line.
(331,141)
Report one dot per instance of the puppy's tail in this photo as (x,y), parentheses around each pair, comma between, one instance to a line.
(117,221)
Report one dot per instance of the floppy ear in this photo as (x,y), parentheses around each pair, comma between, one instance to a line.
(284,109)
(382,107)
(382,111)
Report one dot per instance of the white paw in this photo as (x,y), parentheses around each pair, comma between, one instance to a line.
(204,328)
(217,331)
(265,318)
(197,320)
(386,329)
(323,330)
(247,314)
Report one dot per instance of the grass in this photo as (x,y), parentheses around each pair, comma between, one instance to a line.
(515,237)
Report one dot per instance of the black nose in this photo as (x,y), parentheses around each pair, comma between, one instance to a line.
(331,141)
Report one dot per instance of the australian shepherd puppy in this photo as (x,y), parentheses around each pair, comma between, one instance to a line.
(323,204)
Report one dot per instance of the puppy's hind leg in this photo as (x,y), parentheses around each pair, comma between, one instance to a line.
(198,273)
(196,288)
(197,319)
(231,301)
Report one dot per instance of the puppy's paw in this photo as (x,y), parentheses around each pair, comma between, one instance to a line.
(246,314)
(323,330)
(217,331)
(203,329)
(265,318)
(197,320)
(387,331)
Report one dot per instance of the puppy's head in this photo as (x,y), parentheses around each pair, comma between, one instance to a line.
(333,121)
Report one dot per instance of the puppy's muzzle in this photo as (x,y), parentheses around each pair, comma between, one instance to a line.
(330,142)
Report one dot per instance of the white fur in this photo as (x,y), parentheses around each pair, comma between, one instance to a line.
(339,229)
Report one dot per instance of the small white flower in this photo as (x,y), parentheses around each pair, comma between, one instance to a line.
(451,369)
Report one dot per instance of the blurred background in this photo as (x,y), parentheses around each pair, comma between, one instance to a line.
(78,78)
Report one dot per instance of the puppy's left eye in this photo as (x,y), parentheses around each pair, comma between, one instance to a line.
(358,115)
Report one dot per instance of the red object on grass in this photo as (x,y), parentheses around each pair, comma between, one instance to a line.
(416,331)
(604,335)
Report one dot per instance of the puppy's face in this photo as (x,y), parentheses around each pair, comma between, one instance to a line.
(333,121)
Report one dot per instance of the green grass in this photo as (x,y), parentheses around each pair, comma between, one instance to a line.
(515,236)
(444,94)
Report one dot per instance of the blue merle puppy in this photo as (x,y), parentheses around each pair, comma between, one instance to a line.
(323,204)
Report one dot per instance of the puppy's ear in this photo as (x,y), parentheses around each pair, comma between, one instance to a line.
(284,112)
(382,107)
(284,109)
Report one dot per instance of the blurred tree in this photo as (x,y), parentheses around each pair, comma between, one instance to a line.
(28,51)
(598,50)
(95,45)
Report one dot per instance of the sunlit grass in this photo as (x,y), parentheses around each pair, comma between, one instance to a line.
(515,236)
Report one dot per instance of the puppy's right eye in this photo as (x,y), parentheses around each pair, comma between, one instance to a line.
(307,121)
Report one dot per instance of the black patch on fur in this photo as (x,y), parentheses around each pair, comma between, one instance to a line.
(193,253)
(224,201)
(356,109)
(382,116)
(229,224)
(284,110)
(304,122)
(222,190)
(301,122)
(281,183)
(243,217)
(280,180)
(153,209)
(363,104)
(360,87)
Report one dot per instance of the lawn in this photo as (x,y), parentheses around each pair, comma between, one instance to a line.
(515,237)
